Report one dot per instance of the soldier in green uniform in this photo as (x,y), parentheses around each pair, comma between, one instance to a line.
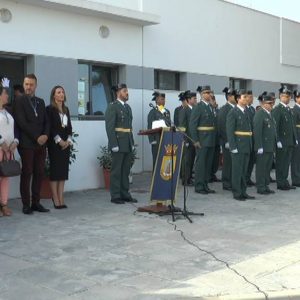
(217,150)
(286,138)
(118,124)
(179,108)
(203,132)
(250,110)
(264,130)
(295,164)
(158,112)
(239,135)
(188,158)
(230,95)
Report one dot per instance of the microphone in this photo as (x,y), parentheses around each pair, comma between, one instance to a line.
(152,106)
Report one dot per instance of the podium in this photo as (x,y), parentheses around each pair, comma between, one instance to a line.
(166,172)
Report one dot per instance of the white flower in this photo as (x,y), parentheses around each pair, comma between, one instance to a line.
(5,82)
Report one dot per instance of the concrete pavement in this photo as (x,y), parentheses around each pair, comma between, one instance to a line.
(97,250)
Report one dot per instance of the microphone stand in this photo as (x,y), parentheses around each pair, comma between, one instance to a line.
(175,210)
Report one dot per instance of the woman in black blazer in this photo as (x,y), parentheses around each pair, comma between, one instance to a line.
(60,141)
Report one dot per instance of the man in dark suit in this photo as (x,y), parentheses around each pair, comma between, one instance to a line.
(295,164)
(286,138)
(264,130)
(239,134)
(118,124)
(31,118)
(189,149)
(230,95)
(203,132)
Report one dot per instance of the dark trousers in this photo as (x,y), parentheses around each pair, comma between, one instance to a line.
(216,161)
(226,168)
(204,160)
(295,165)
(154,149)
(120,169)
(262,172)
(239,171)
(250,166)
(33,167)
(283,161)
(187,164)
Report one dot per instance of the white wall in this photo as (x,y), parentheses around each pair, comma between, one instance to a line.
(129,4)
(216,37)
(40,31)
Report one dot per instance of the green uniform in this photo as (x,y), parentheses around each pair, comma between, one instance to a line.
(118,123)
(239,134)
(264,138)
(226,168)
(250,110)
(176,115)
(154,139)
(203,130)
(217,150)
(286,135)
(295,164)
(188,158)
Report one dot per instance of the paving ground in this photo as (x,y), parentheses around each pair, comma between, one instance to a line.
(96,250)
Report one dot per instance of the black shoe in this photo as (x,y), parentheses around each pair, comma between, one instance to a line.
(56,206)
(227,188)
(296,184)
(209,191)
(250,183)
(239,198)
(270,191)
(292,187)
(117,201)
(203,192)
(27,210)
(64,206)
(39,207)
(263,192)
(131,200)
(283,188)
(246,196)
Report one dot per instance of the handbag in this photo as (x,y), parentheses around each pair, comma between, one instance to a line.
(9,167)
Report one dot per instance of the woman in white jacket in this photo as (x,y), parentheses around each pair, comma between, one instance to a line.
(8,144)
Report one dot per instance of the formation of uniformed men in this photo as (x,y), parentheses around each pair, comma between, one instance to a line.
(246,136)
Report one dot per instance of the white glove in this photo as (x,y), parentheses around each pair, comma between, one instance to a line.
(5,82)
(187,144)
(260,151)
(133,148)
(115,149)
(296,142)
(154,143)
(279,145)
(227,145)
(234,151)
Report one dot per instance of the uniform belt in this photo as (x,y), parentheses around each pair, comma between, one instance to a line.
(183,129)
(298,125)
(243,133)
(123,129)
(203,128)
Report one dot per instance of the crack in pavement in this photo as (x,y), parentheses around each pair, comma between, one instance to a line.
(191,243)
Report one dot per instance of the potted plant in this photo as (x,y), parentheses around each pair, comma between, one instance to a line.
(133,158)
(45,192)
(105,160)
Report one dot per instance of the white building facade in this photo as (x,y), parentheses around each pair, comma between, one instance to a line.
(88,45)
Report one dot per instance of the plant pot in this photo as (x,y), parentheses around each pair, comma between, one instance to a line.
(45,192)
(106,175)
